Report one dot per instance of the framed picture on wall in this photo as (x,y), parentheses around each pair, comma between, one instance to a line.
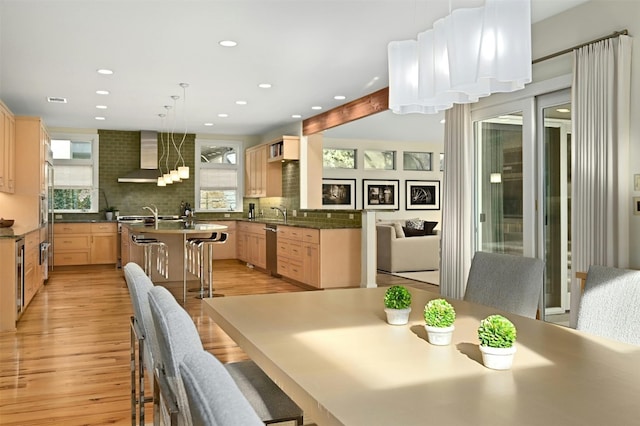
(423,195)
(339,194)
(380,194)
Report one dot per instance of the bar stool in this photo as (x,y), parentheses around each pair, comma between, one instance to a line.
(162,257)
(200,251)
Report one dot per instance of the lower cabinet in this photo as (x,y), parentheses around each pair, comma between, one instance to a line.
(321,258)
(32,274)
(104,243)
(85,243)
(252,244)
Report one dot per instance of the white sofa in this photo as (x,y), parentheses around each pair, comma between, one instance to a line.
(403,254)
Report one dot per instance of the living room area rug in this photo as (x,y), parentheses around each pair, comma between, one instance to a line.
(430,277)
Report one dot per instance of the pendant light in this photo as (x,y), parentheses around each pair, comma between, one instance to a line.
(174,172)
(469,54)
(161,181)
(183,170)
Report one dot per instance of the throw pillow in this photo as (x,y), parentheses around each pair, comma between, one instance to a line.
(409,232)
(399,230)
(428,227)
(415,224)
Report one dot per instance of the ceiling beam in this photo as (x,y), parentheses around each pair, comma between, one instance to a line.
(367,105)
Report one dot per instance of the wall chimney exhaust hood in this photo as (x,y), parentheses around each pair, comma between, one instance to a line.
(148,171)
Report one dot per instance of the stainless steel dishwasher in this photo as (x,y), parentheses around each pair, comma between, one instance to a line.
(272,248)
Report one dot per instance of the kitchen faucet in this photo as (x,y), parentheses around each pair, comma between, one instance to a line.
(153,211)
(283,210)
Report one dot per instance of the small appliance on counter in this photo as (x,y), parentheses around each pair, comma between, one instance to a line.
(252,210)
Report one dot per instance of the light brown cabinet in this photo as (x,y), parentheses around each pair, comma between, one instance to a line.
(252,244)
(262,179)
(32,273)
(85,243)
(104,243)
(285,148)
(321,258)
(7,150)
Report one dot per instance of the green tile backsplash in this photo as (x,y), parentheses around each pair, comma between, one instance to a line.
(120,154)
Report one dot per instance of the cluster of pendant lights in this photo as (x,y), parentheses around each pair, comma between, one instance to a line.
(467,55)
(179,172)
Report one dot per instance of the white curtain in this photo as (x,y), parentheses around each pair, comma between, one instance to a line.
(600,185)
(457,201)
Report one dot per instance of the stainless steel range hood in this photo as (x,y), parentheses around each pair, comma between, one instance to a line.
(148,171)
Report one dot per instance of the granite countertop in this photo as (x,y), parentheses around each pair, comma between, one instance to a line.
(17,231)
(296,222)
(300,223)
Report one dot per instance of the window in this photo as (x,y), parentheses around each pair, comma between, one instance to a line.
(416,160)
(380,160)
(75,179)
(218,175)
(338,158)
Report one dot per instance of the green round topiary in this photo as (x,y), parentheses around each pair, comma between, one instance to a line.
(397,297)
(496,331)
(439,313)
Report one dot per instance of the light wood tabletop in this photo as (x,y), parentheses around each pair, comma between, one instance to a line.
(334,354)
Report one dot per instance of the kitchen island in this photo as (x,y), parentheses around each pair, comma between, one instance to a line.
(174,235)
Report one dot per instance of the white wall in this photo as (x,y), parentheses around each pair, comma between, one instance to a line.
(401,175)
(581,24)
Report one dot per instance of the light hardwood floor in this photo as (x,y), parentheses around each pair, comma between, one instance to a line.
(68,363)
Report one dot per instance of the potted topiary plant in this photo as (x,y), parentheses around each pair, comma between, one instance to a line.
(439,317)
(497,337)
(397,302)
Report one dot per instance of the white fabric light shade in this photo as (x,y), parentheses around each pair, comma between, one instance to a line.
(161,181)
(467,55)
(183,172)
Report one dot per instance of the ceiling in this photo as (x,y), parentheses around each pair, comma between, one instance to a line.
(309,50)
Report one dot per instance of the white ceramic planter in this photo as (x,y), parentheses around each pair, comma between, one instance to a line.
(497,358)
(108,215)
(397,316)
(440,336)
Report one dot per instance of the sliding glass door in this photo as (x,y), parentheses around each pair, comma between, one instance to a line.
(554,144)
(523,188)
(502,177)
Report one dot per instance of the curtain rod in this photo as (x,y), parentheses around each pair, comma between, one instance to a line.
(571,49)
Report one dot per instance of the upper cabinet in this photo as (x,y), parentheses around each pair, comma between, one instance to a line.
(285,148)
(263,168)
(7,150)
(32,138)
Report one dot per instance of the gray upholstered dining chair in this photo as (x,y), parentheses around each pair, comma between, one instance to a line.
(506,282)
(178,336)
(214,398)
(143,334)
(610,304)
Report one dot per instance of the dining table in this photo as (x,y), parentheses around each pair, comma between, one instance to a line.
(178,227)
(334,354)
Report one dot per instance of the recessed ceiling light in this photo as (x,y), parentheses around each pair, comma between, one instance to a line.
(56,100)
(339,97)
(316,107)
(100,118)
(443,121)
(241,102)
(223,115)
(208,124)
(102,92)
(227,43)
(296,116)
(264,85)
(563,110)
(105,71)
(101,106)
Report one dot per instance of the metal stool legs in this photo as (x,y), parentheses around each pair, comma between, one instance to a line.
(162,256)
(199,255)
